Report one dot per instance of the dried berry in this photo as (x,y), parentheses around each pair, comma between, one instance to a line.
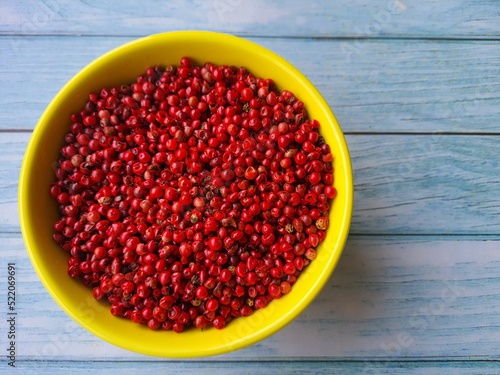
(193,196)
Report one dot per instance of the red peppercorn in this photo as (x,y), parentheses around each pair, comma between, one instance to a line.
(193,196)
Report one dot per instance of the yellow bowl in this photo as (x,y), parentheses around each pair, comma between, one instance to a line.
(38,211)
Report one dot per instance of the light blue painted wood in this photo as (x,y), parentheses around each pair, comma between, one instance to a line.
(10,164)
(264,368)
(390,299)
(372,86)
(425,184)
(400,18)
(404,184)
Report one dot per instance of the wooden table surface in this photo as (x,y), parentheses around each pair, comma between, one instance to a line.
(416,89)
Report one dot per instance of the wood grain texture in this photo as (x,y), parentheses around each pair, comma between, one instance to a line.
(319,367)
(293,18)
(425,184)
(374,86)
(404,184)
(390,299)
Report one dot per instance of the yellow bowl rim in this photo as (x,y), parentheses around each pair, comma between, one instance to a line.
(312,91)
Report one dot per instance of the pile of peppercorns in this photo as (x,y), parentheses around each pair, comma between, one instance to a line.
(193,196)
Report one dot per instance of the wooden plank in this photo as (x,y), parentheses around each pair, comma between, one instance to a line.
(13,145)
(263,367)
(423,184)
(400,18)
(404,184)
(390,299)
(372,86)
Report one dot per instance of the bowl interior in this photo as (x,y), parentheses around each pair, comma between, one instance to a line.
(38,211)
